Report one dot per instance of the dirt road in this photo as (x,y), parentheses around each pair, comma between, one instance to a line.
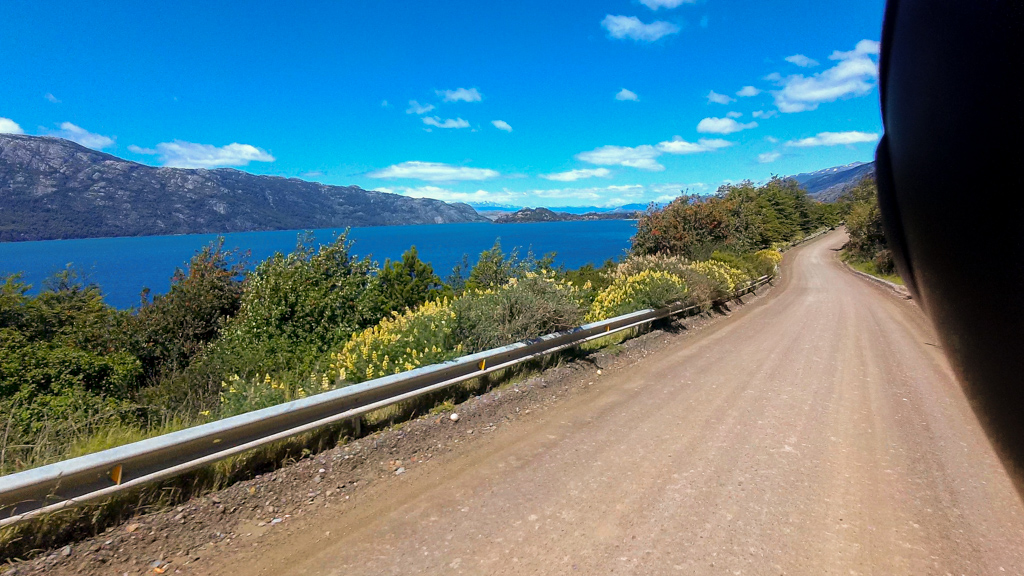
(819,431)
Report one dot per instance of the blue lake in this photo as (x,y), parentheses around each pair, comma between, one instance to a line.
(123,266)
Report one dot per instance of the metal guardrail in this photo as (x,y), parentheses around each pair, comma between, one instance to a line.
(50,488)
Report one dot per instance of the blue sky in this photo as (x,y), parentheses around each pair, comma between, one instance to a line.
(529,103)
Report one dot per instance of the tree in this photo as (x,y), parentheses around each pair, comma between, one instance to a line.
(409,282)
(688,226)
(864,225)
(13,302)
(456,281)
(169,331)
(296,308)
(739,217)
(492,269)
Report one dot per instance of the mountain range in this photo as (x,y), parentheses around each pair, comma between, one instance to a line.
(548,215)
(828,185)
(52,188)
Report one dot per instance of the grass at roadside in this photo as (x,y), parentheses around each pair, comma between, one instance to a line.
(868,267)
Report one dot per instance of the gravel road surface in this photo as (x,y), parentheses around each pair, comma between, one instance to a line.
(817,431)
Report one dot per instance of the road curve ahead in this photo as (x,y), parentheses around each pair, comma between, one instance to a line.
(818,431)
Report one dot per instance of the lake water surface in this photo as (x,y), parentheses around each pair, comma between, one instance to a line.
(123,266)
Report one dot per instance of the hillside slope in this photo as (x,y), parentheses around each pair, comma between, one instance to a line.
(546,215)
(828,185)
(52,188)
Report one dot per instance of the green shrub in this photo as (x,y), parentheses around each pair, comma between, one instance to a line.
(61,376)
(172,329)
(494,269)
(744,263)
(13,302)
(68,310)
(523,308)
(700,290)
(52,395)
(296,309)
(407,283)
(590,280)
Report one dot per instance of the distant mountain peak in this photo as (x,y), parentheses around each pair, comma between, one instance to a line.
(828,184)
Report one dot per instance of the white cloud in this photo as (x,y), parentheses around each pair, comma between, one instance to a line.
(674,189)
(501,125)
(417,108)
(447,195)
(863,48)
(460,95)
(734,114)
(447,123)
(51,98)
(627,95)
(642,157)
(748,91)
(434,172)
(605,196)
(655,4)
(762,114)
(768,157)
(854,75)
(801,61)
(679,146)
(771,139)
(181,154)
(574,175)
(599,196)
(719,98)
(69,131)
(622,27)
(834,139)
(722,126)
(8,126)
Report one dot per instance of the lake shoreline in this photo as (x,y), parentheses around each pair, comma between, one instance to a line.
(123,265)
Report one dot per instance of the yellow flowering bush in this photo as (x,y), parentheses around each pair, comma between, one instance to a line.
(636,264)
(725,277)
(239,395)
(738,277)
(647,289)
(404,341)
(767,260)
